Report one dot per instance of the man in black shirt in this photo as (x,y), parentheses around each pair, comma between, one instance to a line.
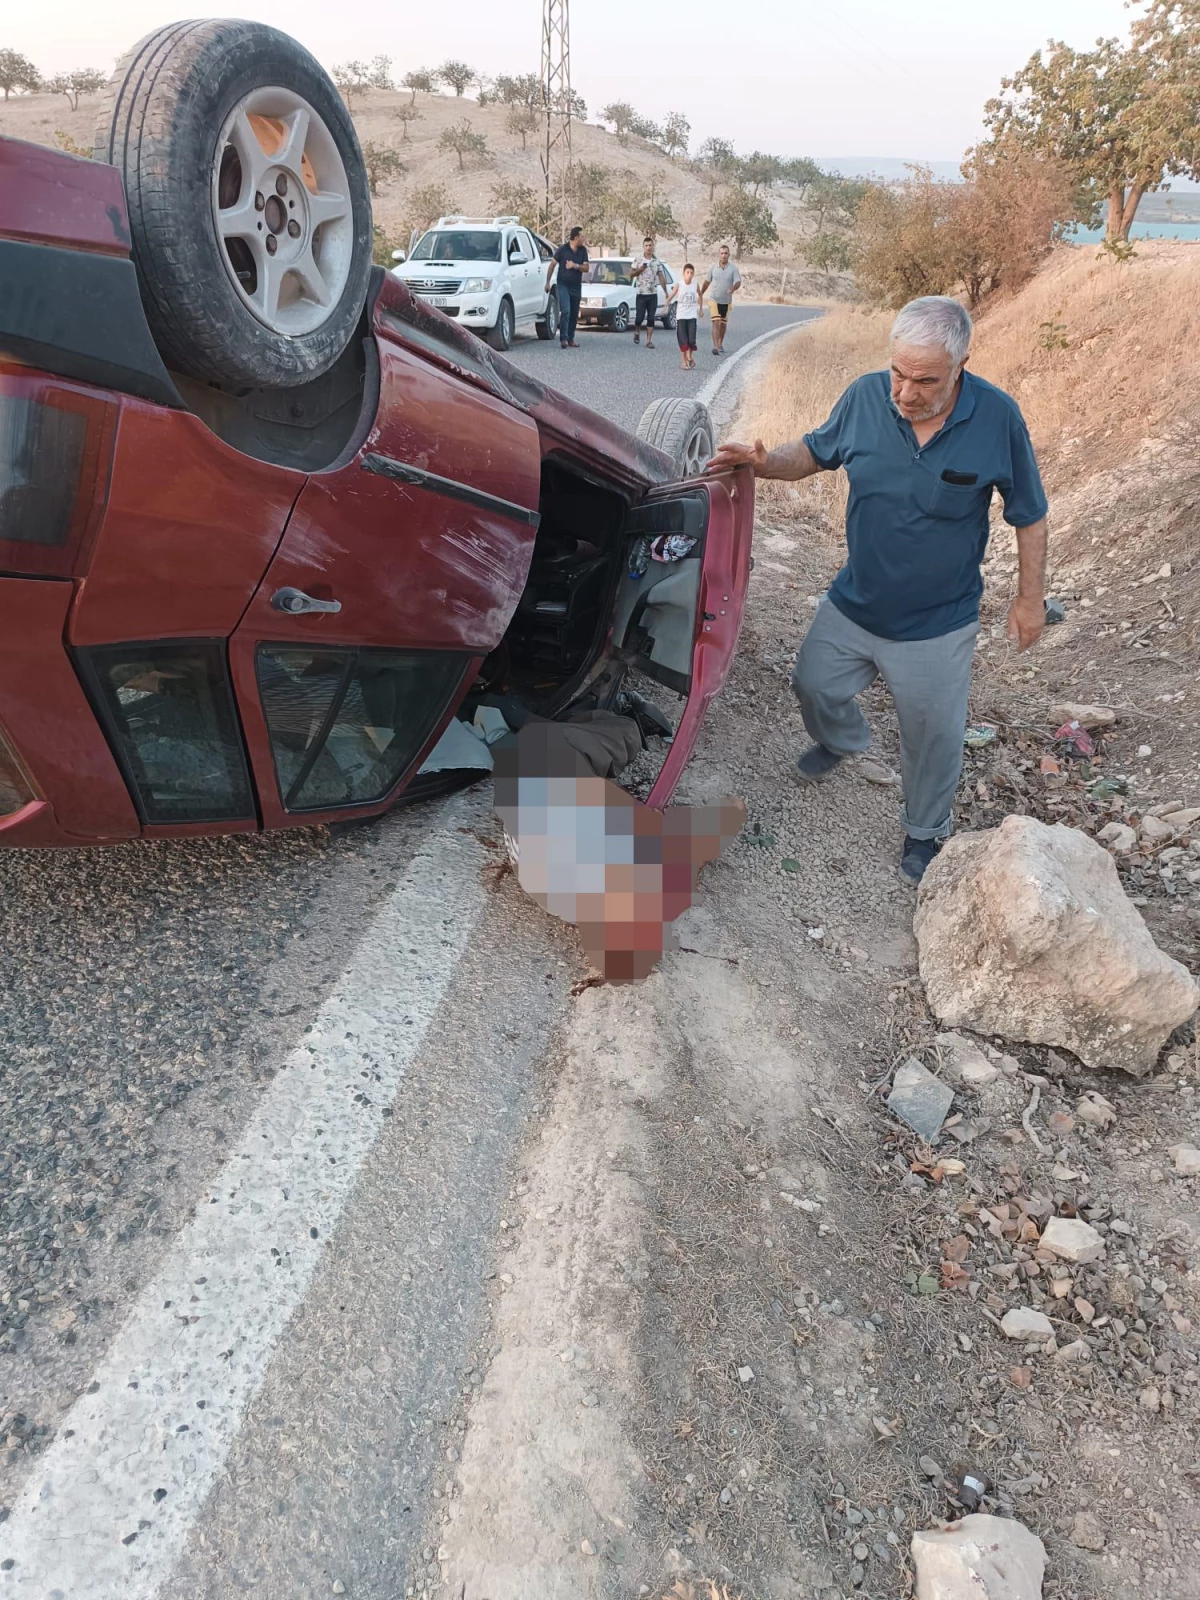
(572,259)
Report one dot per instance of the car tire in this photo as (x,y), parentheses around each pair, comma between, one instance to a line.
(501,336)
(682,429)
(249,210)
(620,318)
(547,328)
(671,317)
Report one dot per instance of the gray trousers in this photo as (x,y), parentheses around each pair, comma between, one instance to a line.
(929,681)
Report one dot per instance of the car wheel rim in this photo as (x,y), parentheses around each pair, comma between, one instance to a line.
(506,324)
(696,452)
(283,211)
(622,317)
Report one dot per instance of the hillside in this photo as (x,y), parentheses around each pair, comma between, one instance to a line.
(41,117)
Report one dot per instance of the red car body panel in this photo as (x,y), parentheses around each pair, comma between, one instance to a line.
(423,530)
(183,546)
(81,795)
(48,197)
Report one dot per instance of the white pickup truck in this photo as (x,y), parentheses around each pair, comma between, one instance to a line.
(487,273)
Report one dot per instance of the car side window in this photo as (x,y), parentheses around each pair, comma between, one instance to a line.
(516,252)
(527,249)
(545,250)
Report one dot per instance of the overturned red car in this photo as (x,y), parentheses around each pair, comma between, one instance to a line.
(267,521)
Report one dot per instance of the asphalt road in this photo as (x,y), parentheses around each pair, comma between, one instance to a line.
(158,1001)
(619,379)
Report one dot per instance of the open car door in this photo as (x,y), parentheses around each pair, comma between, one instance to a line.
(678,620)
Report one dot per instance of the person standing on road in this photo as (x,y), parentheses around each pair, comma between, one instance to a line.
(689,308)
(572,260)
(923,445)
(724,280)
(647,275)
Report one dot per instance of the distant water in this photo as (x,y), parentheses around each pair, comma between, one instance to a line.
(1142,230)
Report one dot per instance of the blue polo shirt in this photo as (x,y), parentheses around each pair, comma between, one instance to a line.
(915,538)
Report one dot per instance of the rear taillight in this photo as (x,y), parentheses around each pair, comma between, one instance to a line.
(15,788)
(55,445)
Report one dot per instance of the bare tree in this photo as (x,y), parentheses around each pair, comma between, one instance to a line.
(522,121)
(404,114)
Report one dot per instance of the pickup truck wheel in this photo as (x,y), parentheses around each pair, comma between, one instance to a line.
(547,328)
(501,336)
(248,202)
(682,429)
(620,318)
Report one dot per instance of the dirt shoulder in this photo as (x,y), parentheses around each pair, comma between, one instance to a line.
(743,1327)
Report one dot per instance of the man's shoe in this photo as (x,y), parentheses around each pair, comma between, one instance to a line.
(815,765)
(916,856)
(637,338)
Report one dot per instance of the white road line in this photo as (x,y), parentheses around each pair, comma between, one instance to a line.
(724,372)
(107,1509)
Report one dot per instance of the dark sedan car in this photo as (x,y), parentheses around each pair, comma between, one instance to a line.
(267,523)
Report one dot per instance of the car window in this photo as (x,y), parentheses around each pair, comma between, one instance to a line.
(516,249)
(545,249)
(457,244)
(617,272)
(667,275)
(527,247)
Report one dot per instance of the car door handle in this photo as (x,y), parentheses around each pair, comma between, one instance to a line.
(295,602)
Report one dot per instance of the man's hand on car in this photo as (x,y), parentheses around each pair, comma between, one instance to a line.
(1026,621)
(733,454)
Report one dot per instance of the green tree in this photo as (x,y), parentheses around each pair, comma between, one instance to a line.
(458,75)
(633,203)
(525,89)
(74,84)
(905,242)
(521,121)
(590,192)
(622,116)
(18,73)
(833,201)
(462,138)
(827,253)
(421,80)
(425,205)
(800,171)
(743,219)
(643,128)
(675,134)
(382,164)
(404,114)
(509,199)
(382,246)
(757,169)
(1120,118)
(716,162)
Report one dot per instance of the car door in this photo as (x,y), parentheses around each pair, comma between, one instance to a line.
(678,622)
(663,293)
(399,570)
(517,257)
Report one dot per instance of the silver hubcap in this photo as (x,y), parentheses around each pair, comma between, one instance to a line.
(697,452)
(282,209)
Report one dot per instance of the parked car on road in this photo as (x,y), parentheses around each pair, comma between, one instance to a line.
(268,519)
(488,273)
(610,300)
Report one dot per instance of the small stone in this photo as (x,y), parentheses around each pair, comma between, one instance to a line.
(1089,717)
(920,1099)
(590,1400)
(338,1586)
(1020,1377)
(1060,1123)
(1085,1308)
(965,1060)
(861,1552)
(1072,1240)
(1150,1398)
(726,1496)
(1023,1322)
(745,1375)
(1077,1350)
(1187,1160)
(877,772)
(1095,1110)
(930,1467)
(1086,1532)
(1155,831)
(1145,750)
(857,1574)
(587,1547)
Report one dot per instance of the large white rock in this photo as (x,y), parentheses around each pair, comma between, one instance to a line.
(1072,1239)
(979,1558)
(1025,931)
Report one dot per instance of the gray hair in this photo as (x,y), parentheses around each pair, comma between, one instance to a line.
(935,319)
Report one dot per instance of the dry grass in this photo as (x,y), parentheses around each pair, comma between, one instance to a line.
(1132,356)
(1129,369)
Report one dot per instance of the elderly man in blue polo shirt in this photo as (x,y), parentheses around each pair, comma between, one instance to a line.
(923,445)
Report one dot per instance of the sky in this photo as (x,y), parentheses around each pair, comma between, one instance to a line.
(849,78)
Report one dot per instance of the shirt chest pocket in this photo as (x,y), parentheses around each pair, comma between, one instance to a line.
(952,502)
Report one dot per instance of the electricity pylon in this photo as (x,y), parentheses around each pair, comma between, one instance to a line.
(557,101)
